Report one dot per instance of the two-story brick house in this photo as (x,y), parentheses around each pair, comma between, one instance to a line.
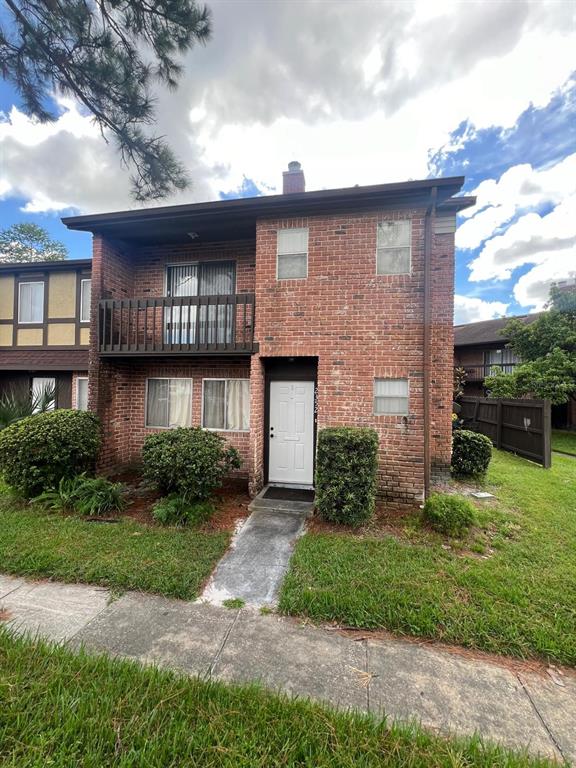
(269,318)
(45,329)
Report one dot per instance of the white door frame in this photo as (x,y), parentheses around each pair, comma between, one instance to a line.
(310,440)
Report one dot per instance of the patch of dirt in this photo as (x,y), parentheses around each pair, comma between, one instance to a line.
(5,615)
(390,519)
(231,502)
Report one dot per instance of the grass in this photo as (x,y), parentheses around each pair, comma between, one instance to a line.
(124,555)
(509,589)
(565,441)
(234,602)
(61,710)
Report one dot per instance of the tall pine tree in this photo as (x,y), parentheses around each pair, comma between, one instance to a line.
(106,54)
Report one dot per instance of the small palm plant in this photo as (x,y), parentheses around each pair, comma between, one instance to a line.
(15,406)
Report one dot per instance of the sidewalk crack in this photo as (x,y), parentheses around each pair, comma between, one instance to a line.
(553,739)
(219,652)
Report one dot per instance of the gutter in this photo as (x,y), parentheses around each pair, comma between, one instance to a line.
(428,231)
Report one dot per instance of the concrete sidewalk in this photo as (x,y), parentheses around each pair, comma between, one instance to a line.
(404,680)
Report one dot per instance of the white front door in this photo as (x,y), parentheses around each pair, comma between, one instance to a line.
(291,433)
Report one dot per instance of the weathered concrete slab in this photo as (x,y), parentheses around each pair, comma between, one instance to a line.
(298,660)
(10,584)
(254,566)
(151,629)
(557,707)
(454,694)
(51,609)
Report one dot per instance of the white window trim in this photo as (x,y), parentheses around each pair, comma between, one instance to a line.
(390,378)
(384,248)
(167,378)
(286,229)
(31,282)
(78,380)
(82,281)
(222,378)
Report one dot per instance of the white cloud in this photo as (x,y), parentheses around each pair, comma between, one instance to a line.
(471,310)
(357,91)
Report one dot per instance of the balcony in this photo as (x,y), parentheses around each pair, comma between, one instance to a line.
(187,325)
(480,372)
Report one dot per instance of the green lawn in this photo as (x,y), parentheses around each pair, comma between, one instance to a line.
(123,555)
(520,600)
(565,441)
(62,710)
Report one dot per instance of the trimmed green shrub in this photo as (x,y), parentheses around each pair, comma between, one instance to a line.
(471,453)
(448,514)
(188,461)
(176,510)
(38,451)
(346,462)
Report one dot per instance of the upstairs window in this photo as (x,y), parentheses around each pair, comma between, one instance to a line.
(391,397)
(292,254)
(393,251)
(85,296)
(226,404)
(31,302)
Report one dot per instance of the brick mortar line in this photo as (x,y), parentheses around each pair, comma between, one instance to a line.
(219,652)
(551,736)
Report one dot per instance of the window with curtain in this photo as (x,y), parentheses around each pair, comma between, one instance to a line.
(504,359)
(85,296)
(391,397)
(215,322)
(226,404)
(82,393)
(292,253)
(31,302)
(169,403)
(393,251)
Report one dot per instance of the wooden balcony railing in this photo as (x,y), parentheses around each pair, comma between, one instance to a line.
(179,325)
(480,372)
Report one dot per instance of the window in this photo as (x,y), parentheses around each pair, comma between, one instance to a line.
(393,247)
(226,404)
(43,388)
(391,396)
(82,393)
(85,296)
(31,302)
(292,254)
(169,403)
(504,359)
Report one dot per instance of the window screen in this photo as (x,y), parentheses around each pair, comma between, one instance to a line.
(169,403)
(393,247)
(226,404)
(85,296)
(31,303)
(391,396)
(292,258)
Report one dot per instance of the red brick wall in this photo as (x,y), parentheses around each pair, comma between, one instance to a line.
(125,390)
(362,326)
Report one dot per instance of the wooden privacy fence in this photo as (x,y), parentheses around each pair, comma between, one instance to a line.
(518,426)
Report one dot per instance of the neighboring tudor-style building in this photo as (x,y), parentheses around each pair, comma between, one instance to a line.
(269,318)
(45,329)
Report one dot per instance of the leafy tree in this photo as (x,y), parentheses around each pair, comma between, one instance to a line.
(106,54)
(29,242)
(547,348)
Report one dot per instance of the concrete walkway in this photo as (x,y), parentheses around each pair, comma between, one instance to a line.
(254,566)
(404,680)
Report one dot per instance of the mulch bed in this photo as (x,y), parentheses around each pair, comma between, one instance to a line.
(389,519)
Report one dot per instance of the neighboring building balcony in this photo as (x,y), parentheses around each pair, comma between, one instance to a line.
(481,371)
(183,325)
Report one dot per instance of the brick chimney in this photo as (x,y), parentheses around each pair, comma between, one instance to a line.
(293,179)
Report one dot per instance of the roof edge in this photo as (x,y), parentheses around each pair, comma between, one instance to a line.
(32,266)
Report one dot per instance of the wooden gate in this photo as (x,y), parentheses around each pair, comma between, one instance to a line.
(519,426)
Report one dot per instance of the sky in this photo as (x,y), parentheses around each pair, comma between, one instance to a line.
(360,92)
